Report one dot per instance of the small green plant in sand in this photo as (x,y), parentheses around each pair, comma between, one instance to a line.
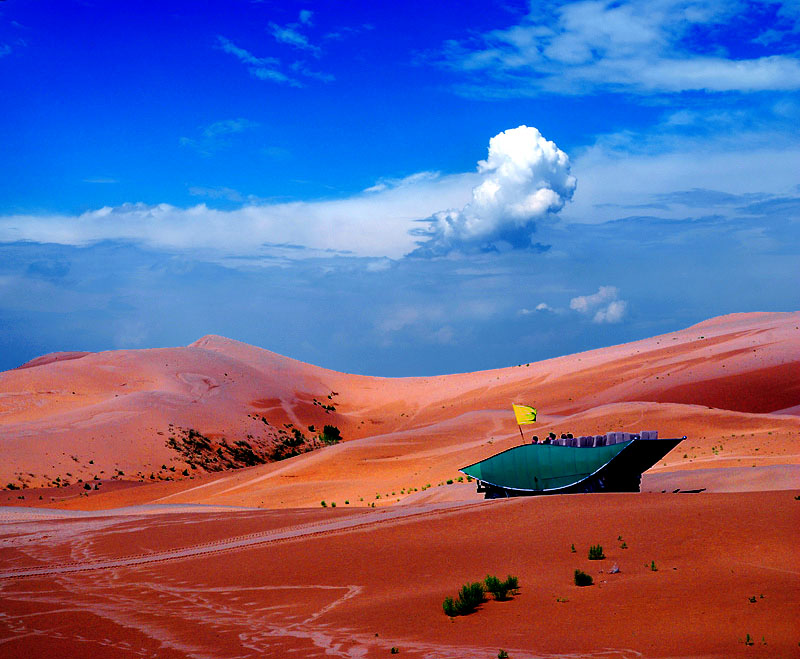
(583,579)
(394,650)
(502,654)
(624,545)
(323,504)
(572,548)
(748,640)
(596,553)
(501,589)
(468,599)
(653,567)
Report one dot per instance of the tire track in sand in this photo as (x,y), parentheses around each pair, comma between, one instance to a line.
(351,523)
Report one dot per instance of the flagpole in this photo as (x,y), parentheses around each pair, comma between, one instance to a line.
(520,433)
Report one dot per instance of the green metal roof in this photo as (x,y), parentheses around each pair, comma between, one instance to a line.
(542,466)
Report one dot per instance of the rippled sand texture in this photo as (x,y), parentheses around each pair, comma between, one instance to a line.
(317,583)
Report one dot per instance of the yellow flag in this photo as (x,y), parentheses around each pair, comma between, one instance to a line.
(524,414)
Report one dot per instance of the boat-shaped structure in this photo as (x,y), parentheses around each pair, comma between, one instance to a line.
(613,462)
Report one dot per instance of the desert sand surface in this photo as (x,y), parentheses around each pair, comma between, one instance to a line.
(728,384)
(356,583)
(142,516)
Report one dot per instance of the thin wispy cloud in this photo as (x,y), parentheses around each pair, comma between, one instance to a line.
(228,194)
(218,135)
(263,68)
(272,69)
(634,46)
(289,34)
(368,224)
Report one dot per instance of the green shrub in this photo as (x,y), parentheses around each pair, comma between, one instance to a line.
(394,651)
(572,548)
(653,567)
(323,504)
(469,597)
(502,654)
(583,579)
(501,589)
(596,553)
(330,435)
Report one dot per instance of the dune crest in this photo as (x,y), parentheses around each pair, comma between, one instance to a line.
(179,418)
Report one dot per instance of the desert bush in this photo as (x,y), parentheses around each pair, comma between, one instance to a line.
(583,579)
(469,597)
(330,435)
(653,567)
(449,606)
(596,553)
(502,654)
(501,589)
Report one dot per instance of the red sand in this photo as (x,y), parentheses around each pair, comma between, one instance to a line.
(731,384)
(356,583)
(115,409)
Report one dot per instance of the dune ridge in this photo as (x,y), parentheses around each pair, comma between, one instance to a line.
(730,381)
(247,562)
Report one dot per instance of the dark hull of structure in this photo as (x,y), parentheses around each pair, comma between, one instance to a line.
(621,473)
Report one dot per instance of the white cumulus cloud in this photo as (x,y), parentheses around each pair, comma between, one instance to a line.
(524,178)
(605,305)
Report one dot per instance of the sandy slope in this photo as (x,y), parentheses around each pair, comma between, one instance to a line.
(180,569)
(78,416)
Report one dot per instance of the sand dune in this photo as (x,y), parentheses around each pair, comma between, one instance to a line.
(726,383)
(170,560)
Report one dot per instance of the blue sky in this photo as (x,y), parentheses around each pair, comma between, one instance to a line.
(348,183)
